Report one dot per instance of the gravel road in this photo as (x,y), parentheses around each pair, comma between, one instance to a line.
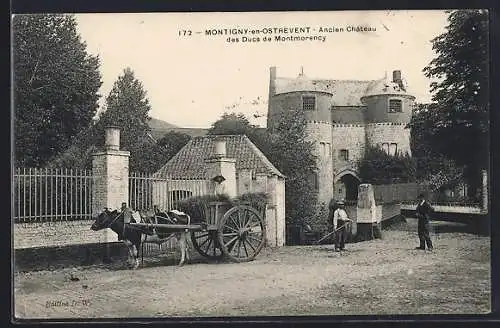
(384,276)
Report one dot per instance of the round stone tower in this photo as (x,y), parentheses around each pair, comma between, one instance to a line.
(315,101)
(388,111)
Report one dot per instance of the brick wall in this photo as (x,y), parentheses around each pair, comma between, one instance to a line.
(118,175)
(99,171)
(110,187)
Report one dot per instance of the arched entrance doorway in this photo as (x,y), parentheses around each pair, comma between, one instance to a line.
(346,186)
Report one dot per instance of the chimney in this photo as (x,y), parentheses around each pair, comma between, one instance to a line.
(272,81)
(221,170)
(220,148)
(396,76)
(112,138)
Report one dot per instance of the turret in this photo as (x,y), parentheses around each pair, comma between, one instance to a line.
(388,100)
(315,101)
(300,93)
(388,111)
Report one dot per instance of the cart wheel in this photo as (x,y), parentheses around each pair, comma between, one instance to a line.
(242,233)
(207,243)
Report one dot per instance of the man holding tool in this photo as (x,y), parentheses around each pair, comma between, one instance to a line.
(340,220)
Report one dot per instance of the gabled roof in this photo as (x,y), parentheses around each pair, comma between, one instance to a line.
(189,162)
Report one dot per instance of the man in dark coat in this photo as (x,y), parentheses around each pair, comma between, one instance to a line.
(423,215)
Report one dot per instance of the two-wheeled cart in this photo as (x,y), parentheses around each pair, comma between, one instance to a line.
(236,232)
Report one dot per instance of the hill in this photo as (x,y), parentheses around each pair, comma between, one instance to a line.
(159,128)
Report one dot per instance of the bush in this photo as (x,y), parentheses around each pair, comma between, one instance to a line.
(319,220)
(194,206)
(257,200)
(378,167)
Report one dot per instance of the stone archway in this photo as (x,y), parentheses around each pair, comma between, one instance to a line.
(346,185)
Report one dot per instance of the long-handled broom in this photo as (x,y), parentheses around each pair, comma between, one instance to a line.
(331,233)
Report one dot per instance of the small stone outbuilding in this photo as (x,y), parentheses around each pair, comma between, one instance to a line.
(234,166)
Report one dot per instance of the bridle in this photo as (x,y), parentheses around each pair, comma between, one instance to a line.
(114,219)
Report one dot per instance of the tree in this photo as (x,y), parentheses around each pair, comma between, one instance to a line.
(378,167)
(128,108)
(433,166)
(172,142)
(422,126)
(231,123)
(290,151)
(287,149)
(56,85)
(461,92)
(238,123)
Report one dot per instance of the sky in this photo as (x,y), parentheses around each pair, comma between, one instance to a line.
(191,80)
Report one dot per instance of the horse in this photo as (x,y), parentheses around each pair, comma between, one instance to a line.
(135,237)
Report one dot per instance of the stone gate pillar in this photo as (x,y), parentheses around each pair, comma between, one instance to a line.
(110,170)
(368,214)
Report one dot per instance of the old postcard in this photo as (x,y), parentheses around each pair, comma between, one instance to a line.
(250,164)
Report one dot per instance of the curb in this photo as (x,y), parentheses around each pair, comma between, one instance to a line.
(57,257)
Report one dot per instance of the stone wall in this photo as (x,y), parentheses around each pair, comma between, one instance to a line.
(27,235)
(320,134)
(50,258)
(280,212)
(350,137)
(379,133)
(377,109)
(293,101)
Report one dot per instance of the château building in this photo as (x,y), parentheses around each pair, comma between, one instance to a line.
(343,118)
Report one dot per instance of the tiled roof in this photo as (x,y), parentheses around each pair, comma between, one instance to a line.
(189,162)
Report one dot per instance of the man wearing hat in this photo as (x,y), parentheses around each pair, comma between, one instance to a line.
(423,215)
(340,220)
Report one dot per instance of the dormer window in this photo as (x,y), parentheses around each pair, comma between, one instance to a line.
(395,106)
(308,103)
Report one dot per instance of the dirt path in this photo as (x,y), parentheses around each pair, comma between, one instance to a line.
(385,276)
